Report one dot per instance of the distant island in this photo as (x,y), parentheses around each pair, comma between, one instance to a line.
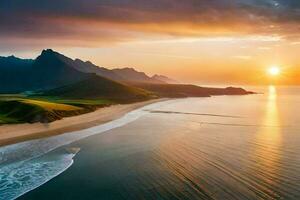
(53,86)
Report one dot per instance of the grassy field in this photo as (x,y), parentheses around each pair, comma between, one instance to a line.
(6,120)
(24,109)
(50,106)
(75,102)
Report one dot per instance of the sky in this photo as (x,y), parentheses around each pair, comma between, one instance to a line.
(195,41)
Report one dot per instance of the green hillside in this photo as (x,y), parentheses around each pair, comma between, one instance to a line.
(96,87)
(25,110)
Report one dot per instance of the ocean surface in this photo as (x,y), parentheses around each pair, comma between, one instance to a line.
(225,147)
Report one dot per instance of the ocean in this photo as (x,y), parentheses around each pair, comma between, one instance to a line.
(223,147)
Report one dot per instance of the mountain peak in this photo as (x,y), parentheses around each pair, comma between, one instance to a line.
(47,51)
(9,60)
(127,69)
(12,57)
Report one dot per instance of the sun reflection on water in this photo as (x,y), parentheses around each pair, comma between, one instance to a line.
(268,141)
(271,118)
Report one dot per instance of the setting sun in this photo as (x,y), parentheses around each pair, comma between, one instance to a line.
(274,71)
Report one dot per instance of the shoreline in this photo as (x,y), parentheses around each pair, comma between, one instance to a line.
(12,134)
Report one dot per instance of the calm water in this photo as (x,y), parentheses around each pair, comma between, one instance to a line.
(228,147)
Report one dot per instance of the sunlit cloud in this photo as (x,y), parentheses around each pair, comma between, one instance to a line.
(95,22)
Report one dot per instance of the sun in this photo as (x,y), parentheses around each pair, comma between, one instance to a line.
(274,71)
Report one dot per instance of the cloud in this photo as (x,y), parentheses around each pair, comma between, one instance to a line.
(94,22)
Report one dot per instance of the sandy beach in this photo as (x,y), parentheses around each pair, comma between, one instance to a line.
(10,134)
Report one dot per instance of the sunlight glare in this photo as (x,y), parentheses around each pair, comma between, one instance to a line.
(274,71)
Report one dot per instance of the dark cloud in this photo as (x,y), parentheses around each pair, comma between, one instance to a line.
(114,20)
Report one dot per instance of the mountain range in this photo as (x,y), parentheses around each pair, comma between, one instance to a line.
(51,70)
(52,73)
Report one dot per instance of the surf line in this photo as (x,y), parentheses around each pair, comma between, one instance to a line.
(191,113)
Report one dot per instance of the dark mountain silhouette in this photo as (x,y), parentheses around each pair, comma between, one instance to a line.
(126,75)
(14,62)
(13,73)
(73,79)
(120,74)
(49,70)
(131,75)
(89,67)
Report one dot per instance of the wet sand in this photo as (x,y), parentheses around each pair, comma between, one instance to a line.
(10,134)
